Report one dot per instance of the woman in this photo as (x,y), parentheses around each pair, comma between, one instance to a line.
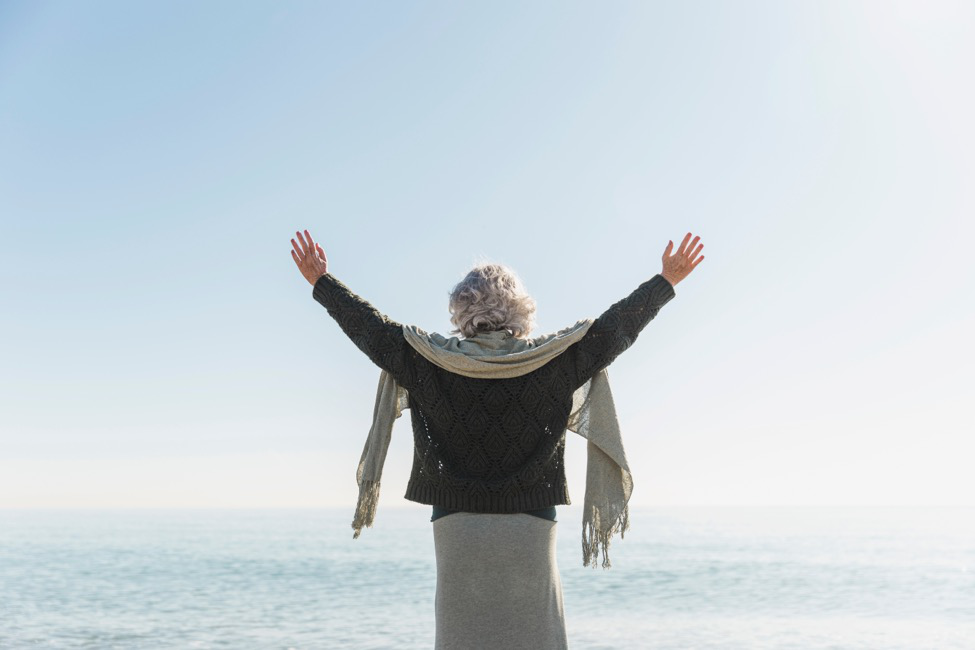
(488,450)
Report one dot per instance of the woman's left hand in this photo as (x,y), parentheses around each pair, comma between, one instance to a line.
(309,257)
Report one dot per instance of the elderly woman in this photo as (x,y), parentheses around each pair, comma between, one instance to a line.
(489,413)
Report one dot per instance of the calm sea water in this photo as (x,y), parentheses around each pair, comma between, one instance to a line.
(702,578)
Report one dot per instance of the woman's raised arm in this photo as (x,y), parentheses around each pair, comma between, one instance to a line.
(617,328)
(378,336)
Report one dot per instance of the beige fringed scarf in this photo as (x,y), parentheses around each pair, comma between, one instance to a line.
(500,355)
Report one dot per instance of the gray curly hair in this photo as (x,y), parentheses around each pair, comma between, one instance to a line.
(491,297)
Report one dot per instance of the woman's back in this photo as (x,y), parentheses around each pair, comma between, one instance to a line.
(491,445)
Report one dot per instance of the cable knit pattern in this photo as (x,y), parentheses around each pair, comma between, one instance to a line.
(490,445)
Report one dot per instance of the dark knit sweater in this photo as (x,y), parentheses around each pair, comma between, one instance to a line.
(490,445)
(544,513)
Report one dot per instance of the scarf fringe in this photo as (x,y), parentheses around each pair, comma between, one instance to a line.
(365,510)
(594,536)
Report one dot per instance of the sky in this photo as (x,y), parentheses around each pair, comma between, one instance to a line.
(160,348)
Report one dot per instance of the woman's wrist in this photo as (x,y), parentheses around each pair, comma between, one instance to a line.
(313,278)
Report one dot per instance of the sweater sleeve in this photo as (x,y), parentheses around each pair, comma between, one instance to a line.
(617,328)
(380,337)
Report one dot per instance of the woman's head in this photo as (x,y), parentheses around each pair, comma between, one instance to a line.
(491,297)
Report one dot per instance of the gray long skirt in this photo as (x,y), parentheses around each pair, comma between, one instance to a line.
(498,583)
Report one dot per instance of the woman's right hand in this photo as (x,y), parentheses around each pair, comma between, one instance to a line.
(679,265)
(309,257)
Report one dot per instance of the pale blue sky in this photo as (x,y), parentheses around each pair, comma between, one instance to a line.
(160,348)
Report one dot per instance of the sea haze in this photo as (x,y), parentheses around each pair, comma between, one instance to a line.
(803,578)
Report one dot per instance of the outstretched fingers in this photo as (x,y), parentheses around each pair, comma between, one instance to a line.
(297,253)
(308,245)
(304,245)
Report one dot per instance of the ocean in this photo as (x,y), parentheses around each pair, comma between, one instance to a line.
(703,578)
